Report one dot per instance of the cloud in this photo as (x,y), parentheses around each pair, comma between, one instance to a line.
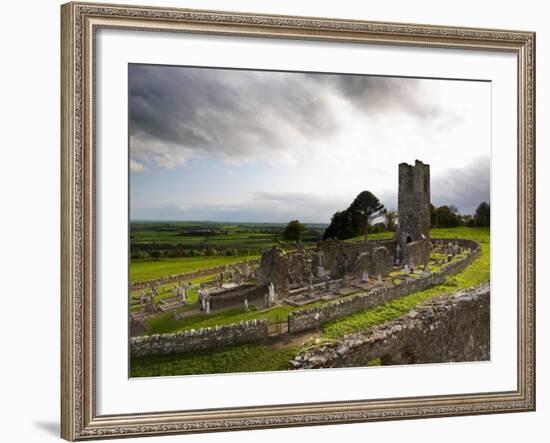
(260,207)
(136,166)
(378,95)
(180,113)
(464,188)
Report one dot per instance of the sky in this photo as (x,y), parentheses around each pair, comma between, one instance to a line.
(264,146)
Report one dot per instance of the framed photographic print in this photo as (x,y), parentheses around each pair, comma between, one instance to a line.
(282,221)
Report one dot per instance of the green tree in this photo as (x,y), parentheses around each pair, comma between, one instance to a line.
(294,231)
(356,219)
(391,219)
(482,216)
(446,217)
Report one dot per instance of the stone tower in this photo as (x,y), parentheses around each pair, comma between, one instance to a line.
(413,230)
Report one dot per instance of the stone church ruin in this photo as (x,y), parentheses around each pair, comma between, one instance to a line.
(336,268)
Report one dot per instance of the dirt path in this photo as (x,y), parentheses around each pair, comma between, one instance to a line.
(290,340)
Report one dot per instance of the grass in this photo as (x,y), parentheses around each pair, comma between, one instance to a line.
(241,358)
(143,270)
(166,323)
(233,240)
(478,272)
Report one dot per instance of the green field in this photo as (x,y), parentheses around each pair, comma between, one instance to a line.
(143,270)
(191,235)
(246,358)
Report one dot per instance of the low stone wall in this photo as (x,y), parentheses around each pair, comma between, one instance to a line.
(238,295)
(185,276)
(193,340)
(449,328)
(314,317)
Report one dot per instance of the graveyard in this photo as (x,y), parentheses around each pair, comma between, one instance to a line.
(256,311)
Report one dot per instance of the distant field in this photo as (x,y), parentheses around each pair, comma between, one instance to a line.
(143,270)
(200,235)
(231,239)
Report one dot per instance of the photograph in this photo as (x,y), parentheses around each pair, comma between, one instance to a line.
(287,221)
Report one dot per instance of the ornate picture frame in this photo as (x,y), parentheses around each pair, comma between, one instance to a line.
(80,22)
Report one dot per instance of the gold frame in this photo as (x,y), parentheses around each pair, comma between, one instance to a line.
(79,21)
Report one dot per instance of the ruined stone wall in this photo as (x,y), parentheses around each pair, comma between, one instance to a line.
(207,338)
(274,268)
(314,317)
(417,253)
(338,258)
(238,295)
(381,262)
(341,257)
(450,328)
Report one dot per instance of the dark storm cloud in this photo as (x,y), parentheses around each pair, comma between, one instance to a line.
(229,113)
(464,188)
(177,113)
(370,93)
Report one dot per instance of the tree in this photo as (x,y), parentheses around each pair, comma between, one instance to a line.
(433,216)
(354,220)
(391,218)
(482,216)
(365,207)
(446,217)
(294,231)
